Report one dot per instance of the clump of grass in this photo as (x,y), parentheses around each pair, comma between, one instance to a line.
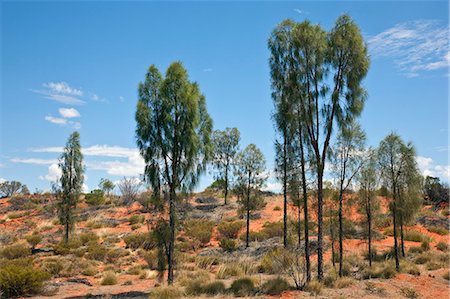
(442,246)
(206,262)
(425,245)
(277,208)
(409,293)
(343,282)
(230,229)
(199,230)
(314,287)
(34,239)
(136,219)
(243,287)
(409,235)
(227,245)
(433,266)
(169,292)
(438,230)
(381,270)
(109,278)
(275,286)
(423,258)
(15,251)
(373,289)
(446,275)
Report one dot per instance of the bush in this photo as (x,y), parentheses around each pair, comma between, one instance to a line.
(33,240)
(200,230)
(214,288)
(438,230)
(272,229)
(169,292)
(230,230)
(89,271)
(275,286)
(384,270)
(95,198)
(18,278)
(433,266)
(87,237)
(425,245)
(314,287)
(151,258)
(415,249)
(229,270)
(15,251)
(228,245)
(343,282)
(410,235)
(442,246)
(446,275)
(109,278)
(135,226)
(276,208)
(205,262)
(409,268)
(422,259)
(96,252)
(139,240)
(409,292)
(135,219)
(242,287)
(52,266)
(66,248)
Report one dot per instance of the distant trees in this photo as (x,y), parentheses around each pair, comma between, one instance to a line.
(106,185)
(226,146)
(71,182)
(250,178)
(400,175)
(435,191)
(346,160)
(129,189)
(173,134)
(10,188)
(307,56)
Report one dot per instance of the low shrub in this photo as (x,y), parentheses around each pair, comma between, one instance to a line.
(169,292)
(273,229)
(96,252)
(314,287)
(89,271)
(15,251)
(230,230)
(384,270)
(227,245)
(64,248)
(19,278)
(343,282)
(442,246)
(109,278)
(434,266)
(415,249)
(140,240)
(205,262)
(95,198)
(88,237)
(136,219)
(135,226)
(229,270)
(115,253)
(422,259)
(242,287)
(275,286)
(425,245)
(213,288)
(438,230)
(409,235)
(53,266)
(200,230)
(33,240)
(446,275)
(277,208)
(151,258)
(409,292)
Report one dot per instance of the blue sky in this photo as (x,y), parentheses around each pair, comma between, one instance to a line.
(76,65)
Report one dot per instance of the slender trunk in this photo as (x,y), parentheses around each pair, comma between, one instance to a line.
(332,238)
(226,184)
(171,236)
(299,229)
(341,249)
(397,262)
(401,236)
(66,236)
(369,235)
(248,213)
(320,223)
(305,210)
(284,193)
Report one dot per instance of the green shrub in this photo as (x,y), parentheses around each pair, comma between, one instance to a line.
(314,287)
(96,252)
(52,266)
(273,229)
(64,248)
(442,246)
(230,230)
(409,235)
(15,251)
(415,249)
(242,287)
(95,198)
(229,270)
(422,259)
(89,271)
(277,208)
(384,270)
(409,268)
(228,245)
(446,275)
(275,286)
(213,288)
(18,278)
(200,230)
(169,292)
(109,278)
(33,240)
(139,240)
(438,230)
(151,258)
(255,236)
(87,237)
(115,253)
(205,262)
(433,266)
(135,226)
(425,245)
(135,219)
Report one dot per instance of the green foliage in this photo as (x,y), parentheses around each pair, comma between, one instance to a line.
(34,239)
(230,229)
(136,219)
(197,287)
(205,262)
(15,251)
(438,230)
(109,278)
(425,245)
(435,191)
(10,188)
(379,270)
(106,185)
(228,245)
(95,198)
(242,287)
(199,229)
(169,292)
(151,258)
(139,240)
(275,286)
(96,252)
(19,278)
(69,247)
(409,235)
(314,287)
(53,266)
(442,246)
(88,237)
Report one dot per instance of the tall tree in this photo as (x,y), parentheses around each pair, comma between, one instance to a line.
(346,160)
(283,95)
(173,134)
(226,146)
(368,181)
(250,178)
(106,185)
(10,188)
(312,56)
(397,163)
(71,182)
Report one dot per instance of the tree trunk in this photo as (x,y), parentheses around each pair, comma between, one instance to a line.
(248,213)
(305,210)
(402,237)
(170,255)
(66,236)
(320,223)
(341,249)
(369,235)
(226,184)
(299,229)
(397,262)
(332,238)
(284,193)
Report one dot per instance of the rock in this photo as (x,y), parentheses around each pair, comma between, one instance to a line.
(80,280)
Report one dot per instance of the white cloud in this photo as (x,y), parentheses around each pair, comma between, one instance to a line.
(62,88)
(302,12)
(207,70)
(121,98)
(35,161)
(415,46)
(2,180)
(61,92)
(96,98)
(85,188)
(54,173)
(69,112)
(428,167)
(56,120)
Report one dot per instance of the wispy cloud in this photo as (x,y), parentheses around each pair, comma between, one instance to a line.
(415,46)
(69,112)
(302,12)
(96,98)
(428,167)
(61,92)
(208,70)
(62,121)
(34,161)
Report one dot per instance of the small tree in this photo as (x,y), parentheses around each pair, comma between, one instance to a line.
(435,191)
(249,180)
(226,146)
(346,160)
(10,188)
(71,182)
(106,185)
